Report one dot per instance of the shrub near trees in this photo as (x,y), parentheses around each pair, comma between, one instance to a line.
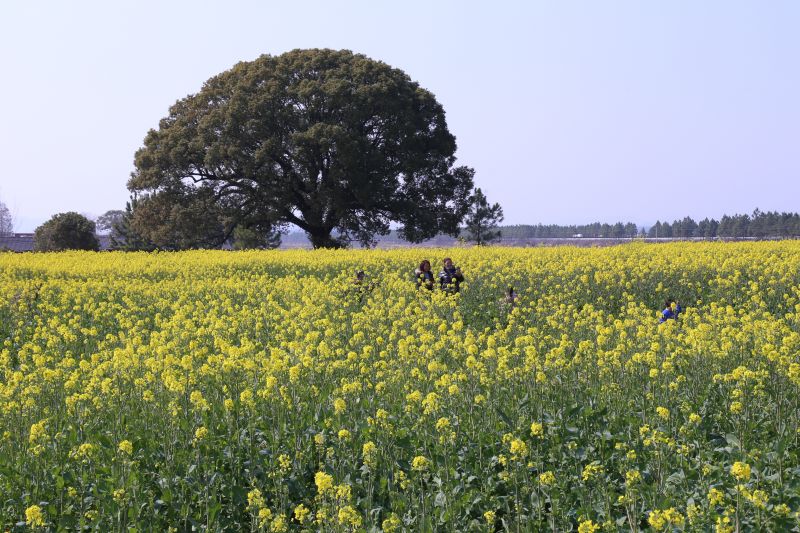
(66,231)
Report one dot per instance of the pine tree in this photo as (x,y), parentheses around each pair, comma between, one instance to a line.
(482,220)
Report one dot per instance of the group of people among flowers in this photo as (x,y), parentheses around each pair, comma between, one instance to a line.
(450,276)
(449,280)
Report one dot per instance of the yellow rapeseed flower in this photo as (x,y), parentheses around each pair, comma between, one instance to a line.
(339,406)
(126,447)
(301,513)
(740,471)
(420,463)
(200,434)
(348,516)
(591,471)
(369,454)
(255,500)
(34,517)
(587,526)
(547,478)
(324,482)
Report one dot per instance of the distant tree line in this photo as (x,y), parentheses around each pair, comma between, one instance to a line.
(554,231)
(73,231)
(770,224)
(759,224)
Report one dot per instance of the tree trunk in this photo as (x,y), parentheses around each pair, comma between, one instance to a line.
(322,239)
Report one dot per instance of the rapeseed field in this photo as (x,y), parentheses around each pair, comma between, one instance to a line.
(265,391)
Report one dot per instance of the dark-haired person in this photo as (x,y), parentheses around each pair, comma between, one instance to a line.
(424,276)
(359,279)
(511,298)
(450,276)
(360,286)
(670,312)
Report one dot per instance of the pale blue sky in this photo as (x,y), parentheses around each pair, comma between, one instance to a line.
(569,111)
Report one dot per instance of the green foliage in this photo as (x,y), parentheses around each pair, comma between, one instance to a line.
(331,141)
(245,238)
(66,231)
(123,236)
(483,219)
(179,219)
(184,219)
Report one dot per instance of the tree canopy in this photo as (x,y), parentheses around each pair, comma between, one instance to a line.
(176,219)
(105,223)
(333,142)
(245,238)
(66,231)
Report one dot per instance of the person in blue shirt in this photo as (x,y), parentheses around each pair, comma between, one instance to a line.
(670,312)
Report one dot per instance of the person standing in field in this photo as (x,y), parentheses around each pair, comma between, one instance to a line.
(360,287)
(424,276)
(359,279)
(450,276)
(510,299)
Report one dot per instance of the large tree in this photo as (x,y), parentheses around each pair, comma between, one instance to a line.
(331,141)
(66,231)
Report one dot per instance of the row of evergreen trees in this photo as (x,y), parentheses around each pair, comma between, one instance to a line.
(554,231)
(770,224)
(758,225)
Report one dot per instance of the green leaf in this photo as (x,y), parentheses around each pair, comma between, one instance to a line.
(504,417)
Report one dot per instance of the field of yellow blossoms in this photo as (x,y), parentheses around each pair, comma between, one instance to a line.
(263,391)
